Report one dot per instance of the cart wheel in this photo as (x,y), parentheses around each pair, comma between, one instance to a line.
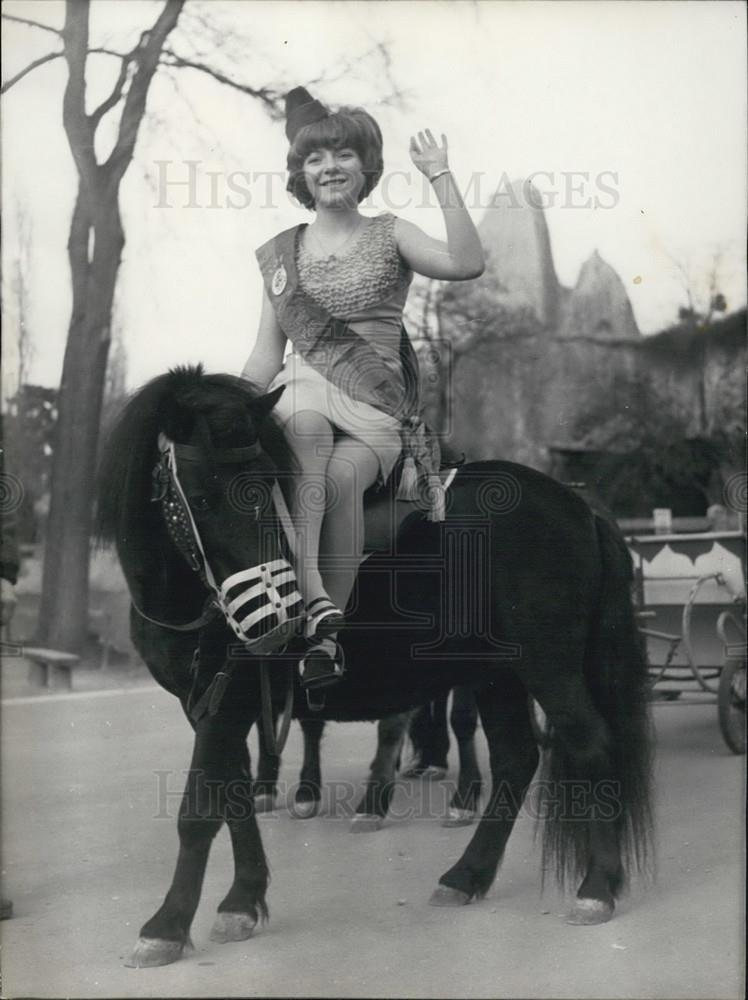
(701,676)
(731,704)
(539,725)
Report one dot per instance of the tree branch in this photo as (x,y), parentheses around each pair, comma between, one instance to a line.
(113,99)
(32,24)
(56,55)
(147,57)
(204,131)
(31,66)
(270,98)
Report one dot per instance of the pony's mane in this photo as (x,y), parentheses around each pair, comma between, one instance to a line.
(169,403)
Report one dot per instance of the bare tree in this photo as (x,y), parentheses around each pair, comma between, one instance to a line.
(94,252)
(18,346)
(703,301)
(19,286)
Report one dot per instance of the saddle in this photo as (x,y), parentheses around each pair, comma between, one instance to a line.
(384,514)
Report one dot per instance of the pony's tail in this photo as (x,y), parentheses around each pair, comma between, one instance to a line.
(616,674)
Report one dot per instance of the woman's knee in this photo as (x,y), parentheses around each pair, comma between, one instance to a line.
(350,474)
(310,436)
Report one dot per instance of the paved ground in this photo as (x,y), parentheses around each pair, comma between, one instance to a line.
(89,850)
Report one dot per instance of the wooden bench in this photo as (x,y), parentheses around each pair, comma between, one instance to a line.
(50,668)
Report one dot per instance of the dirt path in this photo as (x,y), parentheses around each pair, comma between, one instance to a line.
(90,842)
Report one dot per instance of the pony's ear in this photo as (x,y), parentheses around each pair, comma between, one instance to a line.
(262,406)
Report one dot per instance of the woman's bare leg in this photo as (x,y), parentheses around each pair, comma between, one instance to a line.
(310,437)
(351,470)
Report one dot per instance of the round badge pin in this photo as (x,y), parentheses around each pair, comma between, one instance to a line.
(279,280)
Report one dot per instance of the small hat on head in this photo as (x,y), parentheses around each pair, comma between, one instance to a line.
(302,109)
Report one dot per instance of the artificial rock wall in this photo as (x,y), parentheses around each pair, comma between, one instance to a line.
(536,366)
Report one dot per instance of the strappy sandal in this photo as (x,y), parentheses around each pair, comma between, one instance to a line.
(322,665)
(323,618)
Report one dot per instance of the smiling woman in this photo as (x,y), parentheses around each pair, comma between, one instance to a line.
(336,288)
(316,136)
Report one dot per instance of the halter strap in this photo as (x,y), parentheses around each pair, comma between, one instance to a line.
(281,509)
(227,456)
(170,451)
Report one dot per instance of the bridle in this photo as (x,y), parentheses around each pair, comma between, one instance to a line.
(256,582)
(185,534)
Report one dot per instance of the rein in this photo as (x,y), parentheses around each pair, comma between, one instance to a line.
(197,623)
(275,744)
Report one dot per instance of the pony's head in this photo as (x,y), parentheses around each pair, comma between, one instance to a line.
(191,470)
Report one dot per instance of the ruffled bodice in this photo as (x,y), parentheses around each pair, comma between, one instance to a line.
(368,271)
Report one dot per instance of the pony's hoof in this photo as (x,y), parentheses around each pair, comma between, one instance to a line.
(459,817)
(232,927)
(366,823)
(305,808)
(150,952)
(429,772)
(590,911)
(444,896)
(264,803)
(433,773)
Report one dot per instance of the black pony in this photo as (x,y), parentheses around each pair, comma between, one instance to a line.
(521,591)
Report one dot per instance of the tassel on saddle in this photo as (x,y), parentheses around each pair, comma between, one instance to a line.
(419,476)
(408,488)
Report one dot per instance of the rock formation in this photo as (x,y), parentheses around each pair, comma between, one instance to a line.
(535,367)
(598,305)
(515,237)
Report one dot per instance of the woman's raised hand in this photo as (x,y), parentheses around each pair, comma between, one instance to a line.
(427,155)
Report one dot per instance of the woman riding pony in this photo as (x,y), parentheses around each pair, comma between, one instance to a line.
(336,289)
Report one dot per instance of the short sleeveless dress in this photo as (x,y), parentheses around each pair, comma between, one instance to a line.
(366,284)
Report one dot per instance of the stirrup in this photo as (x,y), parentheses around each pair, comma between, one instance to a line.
(323,618)
(322,665)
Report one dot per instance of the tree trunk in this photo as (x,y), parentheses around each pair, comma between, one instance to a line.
(63,617)
(94,251)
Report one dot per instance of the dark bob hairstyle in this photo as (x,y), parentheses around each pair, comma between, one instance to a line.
(351,128)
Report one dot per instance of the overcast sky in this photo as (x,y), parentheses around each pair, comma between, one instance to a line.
(645,99)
